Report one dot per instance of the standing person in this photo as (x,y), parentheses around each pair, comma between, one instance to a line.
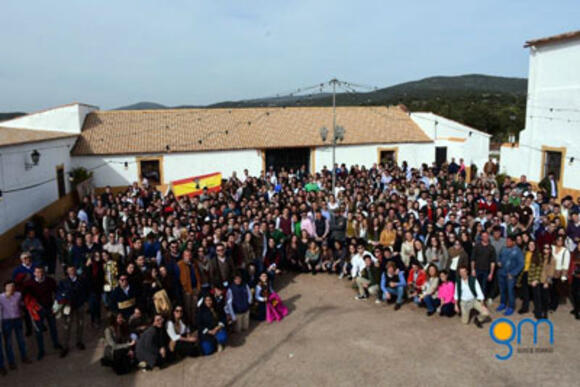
(34,247)
(96,279)
(407,248)
(223,268)
(511,263)
(73,294)
(50,250)
(269,303)
(124,297)
(468,296)
(338,225)
(190,282)
(368,281)
(574,278)
(483,261)
(523,278)
(43,289)
(539,292)
(10,304)
(240,297)
(560,285)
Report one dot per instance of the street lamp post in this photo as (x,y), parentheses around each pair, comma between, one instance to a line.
(337,132)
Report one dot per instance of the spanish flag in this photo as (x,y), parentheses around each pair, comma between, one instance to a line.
(194,186)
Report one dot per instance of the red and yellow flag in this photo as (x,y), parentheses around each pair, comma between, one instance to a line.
(194,186)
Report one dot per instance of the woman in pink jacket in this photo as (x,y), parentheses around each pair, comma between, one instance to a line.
(446,292)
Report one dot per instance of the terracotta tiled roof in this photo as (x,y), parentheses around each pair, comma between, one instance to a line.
(15,136)
(555,38)
(179,130)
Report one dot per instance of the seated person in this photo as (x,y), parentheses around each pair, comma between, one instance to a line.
(182,342)
(211,324)
(429,290)
(137,324)
(468,296)
(119,347)
(415,281)
(445,294)
(393,284)
(152,346)
(368,280)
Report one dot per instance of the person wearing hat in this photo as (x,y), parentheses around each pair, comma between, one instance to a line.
(510,263)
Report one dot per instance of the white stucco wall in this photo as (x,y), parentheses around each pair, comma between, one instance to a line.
(19,205)
(110,170)
(182,165)
(68,118)
(367,155)
(445,132)
(552,113)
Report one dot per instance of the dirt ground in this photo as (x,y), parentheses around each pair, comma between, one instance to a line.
(331,339)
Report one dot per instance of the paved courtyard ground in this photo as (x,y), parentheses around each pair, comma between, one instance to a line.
(330,339)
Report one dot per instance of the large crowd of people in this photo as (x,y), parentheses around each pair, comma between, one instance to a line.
(171,277)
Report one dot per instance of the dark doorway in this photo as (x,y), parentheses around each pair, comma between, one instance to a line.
(150,169)
(553,164)
(387,157)
(440,155)
(288,158)
(60,181)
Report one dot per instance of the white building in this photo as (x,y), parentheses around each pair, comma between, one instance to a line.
(122,147)
(453,139)
(34,158)
(550,141)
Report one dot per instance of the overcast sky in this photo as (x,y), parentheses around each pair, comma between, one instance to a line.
(117,52)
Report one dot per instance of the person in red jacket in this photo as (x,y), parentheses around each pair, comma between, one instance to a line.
(42,288)
(415,280)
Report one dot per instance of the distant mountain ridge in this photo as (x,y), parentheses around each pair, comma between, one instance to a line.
(426,88)
(493,104)
(9,116)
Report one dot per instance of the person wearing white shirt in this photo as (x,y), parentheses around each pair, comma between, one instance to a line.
(468,296)
(358,261)
(183,343)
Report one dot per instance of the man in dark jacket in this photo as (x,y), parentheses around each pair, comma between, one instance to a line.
(151,349)
(338,225)
(73,294)
(42,289)
(124,297)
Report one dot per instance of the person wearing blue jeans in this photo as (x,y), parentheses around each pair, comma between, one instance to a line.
(10,302)
(211,325)
(432,303)
(511,263)
(2,366)
(393,284)
(482,277)
(46,315)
